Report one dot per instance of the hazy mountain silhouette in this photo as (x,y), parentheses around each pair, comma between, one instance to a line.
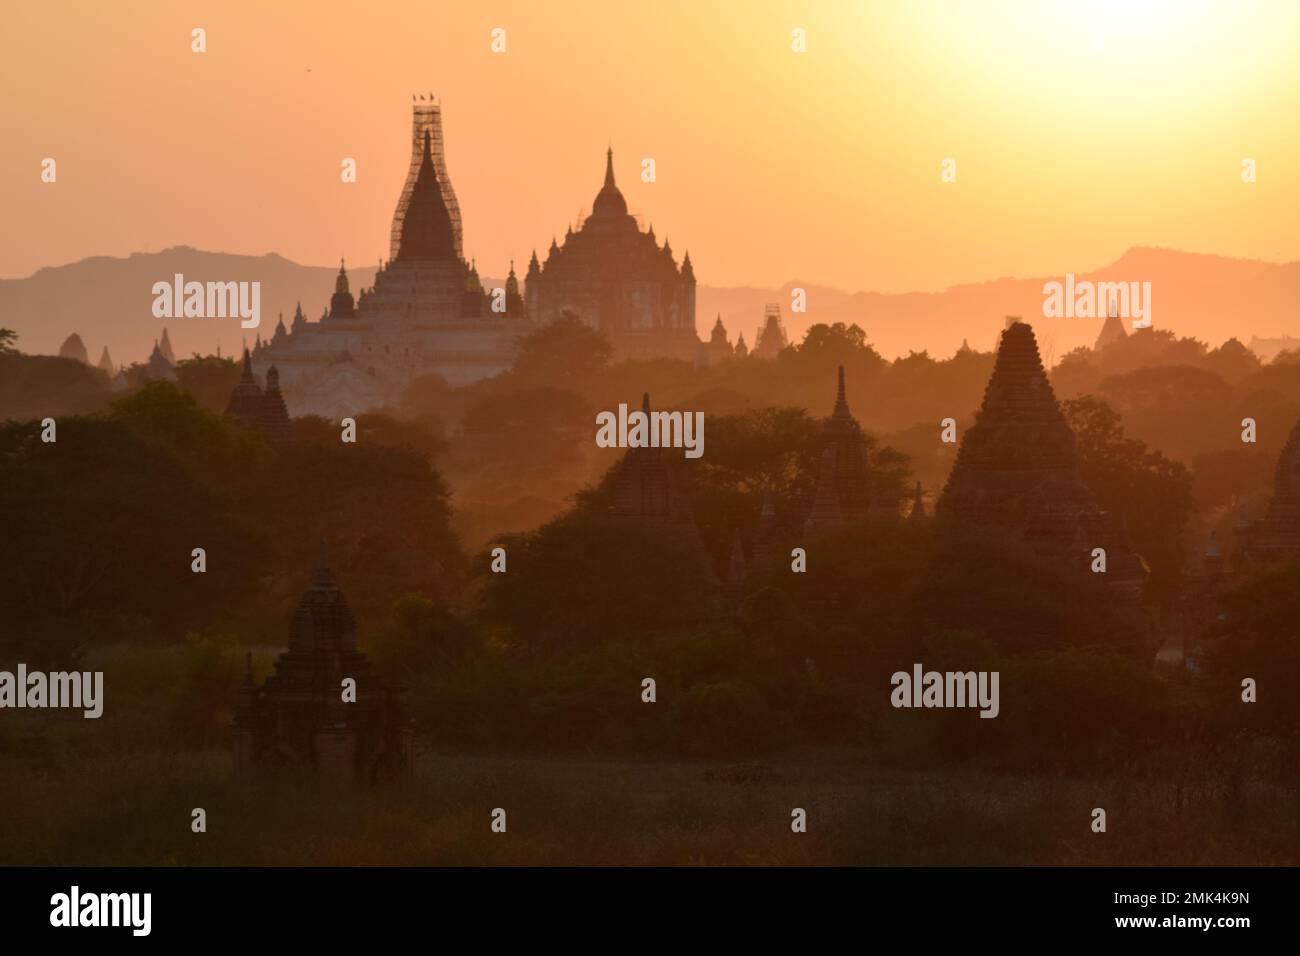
(108,302)
(1208,297)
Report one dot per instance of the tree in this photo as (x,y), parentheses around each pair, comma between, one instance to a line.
(1152,494)
(7,339)
(1256,638)
(209,379)
(564,352)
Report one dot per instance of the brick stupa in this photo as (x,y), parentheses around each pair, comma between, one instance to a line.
(299,717)
(260,409)
(1017,468)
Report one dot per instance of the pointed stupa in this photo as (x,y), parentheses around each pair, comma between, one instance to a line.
(272,415)
(323,624)
(609,202)
(342,305)
(1017,468)
(917,514)
(644,485)
(299,719)
(165,347)
(245,404)
(1112,330)
(73,348)
(159,368)
(848,482)
(771,337)
(1276,536)
(427,234)
(106,363)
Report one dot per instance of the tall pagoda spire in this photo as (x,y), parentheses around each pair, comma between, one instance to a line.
(1112,329)
(841,403)
(427,232)
(609,202)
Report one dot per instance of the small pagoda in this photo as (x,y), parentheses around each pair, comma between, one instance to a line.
(842,494)
(304,716)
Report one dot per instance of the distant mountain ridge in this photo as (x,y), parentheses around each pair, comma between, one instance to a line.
(108,300)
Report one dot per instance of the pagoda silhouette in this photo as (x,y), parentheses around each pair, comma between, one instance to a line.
(299,717)
(1276,536)
(1018,469)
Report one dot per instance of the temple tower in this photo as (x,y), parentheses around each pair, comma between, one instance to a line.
(644,486)
(1017,468)
(843,493)
(298,718)
(245,402)
(1112,331)
(426,137)
(771,337)
(1276,536)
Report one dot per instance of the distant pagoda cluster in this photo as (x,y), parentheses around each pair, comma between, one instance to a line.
(257,408)
(768,342)
(159,366)
(1017,470)
(429,313)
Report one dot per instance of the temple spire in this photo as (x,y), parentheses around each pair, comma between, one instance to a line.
(918,505)
(841,403)
(609,167)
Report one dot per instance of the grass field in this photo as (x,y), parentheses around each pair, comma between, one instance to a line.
(135,808)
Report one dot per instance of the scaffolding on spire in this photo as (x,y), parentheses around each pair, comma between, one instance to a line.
(427,115)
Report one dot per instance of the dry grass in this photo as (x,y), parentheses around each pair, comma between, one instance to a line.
(134,808)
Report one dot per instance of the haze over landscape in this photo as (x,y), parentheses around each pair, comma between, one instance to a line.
(1078,131)
(107,301)
(690,517)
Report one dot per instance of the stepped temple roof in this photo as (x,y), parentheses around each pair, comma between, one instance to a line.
(1018,468)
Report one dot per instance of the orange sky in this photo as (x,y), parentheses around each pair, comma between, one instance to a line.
(1078,130)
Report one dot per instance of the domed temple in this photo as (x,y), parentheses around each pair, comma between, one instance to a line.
(299,717)
(1017,468)
(618,279)
(429,313)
